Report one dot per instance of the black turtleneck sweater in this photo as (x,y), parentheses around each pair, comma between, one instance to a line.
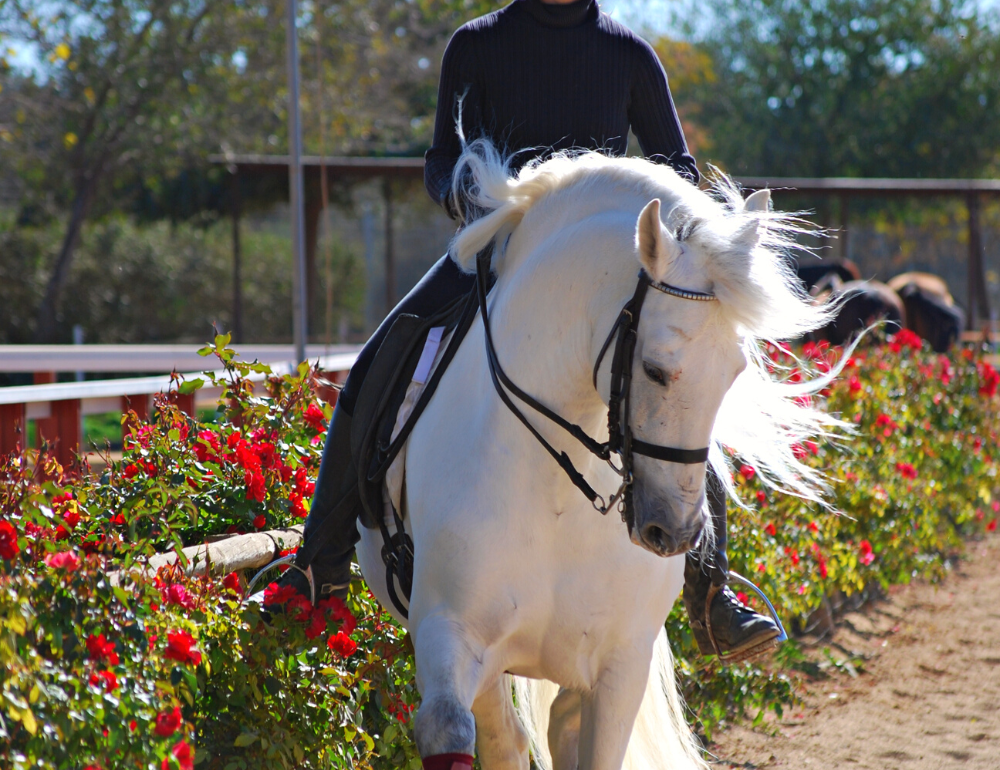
(538,77)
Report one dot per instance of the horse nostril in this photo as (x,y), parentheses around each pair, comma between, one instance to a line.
(658,539)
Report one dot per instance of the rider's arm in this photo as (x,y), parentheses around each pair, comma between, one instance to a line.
(653,117)
(457,84)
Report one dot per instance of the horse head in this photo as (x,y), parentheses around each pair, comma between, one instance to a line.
(688,355)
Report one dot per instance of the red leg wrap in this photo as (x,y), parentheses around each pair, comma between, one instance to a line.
(448,762)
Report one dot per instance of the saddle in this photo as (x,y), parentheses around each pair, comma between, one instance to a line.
(406,371)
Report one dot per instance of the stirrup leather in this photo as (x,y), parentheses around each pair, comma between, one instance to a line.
(749,652)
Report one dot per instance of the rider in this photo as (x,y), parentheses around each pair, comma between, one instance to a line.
(536,76)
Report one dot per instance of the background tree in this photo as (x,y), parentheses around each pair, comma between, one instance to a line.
(851,88)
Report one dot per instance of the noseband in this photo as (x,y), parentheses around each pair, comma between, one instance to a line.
(620,441)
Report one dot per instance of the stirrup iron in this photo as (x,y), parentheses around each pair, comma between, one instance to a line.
(750,652)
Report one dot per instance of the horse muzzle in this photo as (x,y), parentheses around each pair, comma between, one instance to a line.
(661,529)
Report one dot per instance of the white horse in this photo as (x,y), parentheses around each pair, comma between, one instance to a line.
(515,572)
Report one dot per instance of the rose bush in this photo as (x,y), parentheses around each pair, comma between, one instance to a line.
(105,666)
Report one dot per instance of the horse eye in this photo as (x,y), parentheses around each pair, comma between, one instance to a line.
(656,375)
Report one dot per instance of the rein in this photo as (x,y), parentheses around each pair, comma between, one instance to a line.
(624,333)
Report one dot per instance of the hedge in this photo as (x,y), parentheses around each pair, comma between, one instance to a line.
(167,671)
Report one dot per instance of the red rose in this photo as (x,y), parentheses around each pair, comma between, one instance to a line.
(771,529)
(168,722)
(747,471)
(342,644)
(865,549)
(256,489)
(130,471)
(177,594)
(317,624)
(100,649)
(275,594)
(813,526)
(761,496)
(854,384)
(992,526)
(179,644)
(232,582)
(259,521)
(66,560)
(184,756)
(742,598)
(315,417)
(8,540)
(906,470)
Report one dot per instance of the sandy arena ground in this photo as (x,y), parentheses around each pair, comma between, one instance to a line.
(928,695)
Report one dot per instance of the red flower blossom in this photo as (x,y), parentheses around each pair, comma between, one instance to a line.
(297,505)
(813,526)
(132,724)
(313,415)
(812,446)
(231,582)
(865,549)
(179,644)
(854,384)
(886,422)
(317,624)
(762,567)
(168,722)
(761,496)
(905,338)
(106,678)
(8,540)
(275,594)
(130,471)
(183,754)
(177,594)
(792,554)
(799,451)
(771,529)
(822,566)
(259,521)
(989,379)
(66,560)
(747,472)
(742,598)
(342,644)
(906,470)
(992,526)
(207,447)
(100,649)
(256,489)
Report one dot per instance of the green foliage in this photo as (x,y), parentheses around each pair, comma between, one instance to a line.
(919,476)
(159,282)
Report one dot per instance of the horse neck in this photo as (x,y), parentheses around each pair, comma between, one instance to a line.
(556,294)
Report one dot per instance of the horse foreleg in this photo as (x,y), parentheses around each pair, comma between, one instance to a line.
(608,714)
(500,739)
(564,729)
(449,672)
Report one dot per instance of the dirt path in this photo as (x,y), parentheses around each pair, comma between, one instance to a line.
(928,697)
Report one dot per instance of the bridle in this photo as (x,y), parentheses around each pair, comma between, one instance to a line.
(621,442)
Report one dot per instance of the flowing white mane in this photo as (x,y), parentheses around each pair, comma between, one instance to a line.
(761,420)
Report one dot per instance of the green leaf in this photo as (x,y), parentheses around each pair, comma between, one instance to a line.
(245,739)
(188,387)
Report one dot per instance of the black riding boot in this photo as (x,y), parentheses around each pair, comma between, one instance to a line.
(331,528)
(722,625)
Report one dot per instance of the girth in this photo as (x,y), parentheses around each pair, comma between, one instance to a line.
(621,442)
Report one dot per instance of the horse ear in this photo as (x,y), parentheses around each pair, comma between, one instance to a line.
(656,246)
(759,201)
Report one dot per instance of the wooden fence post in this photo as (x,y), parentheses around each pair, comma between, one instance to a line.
(13,428)
(66,416)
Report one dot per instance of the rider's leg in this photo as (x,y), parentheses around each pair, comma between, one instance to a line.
(737,630)
(335,505)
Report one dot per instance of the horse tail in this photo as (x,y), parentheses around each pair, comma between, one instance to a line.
(661,738)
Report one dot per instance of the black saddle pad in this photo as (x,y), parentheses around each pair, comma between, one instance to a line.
(384,389)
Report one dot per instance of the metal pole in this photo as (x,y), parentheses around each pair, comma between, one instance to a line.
(296,192)
(972,269)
